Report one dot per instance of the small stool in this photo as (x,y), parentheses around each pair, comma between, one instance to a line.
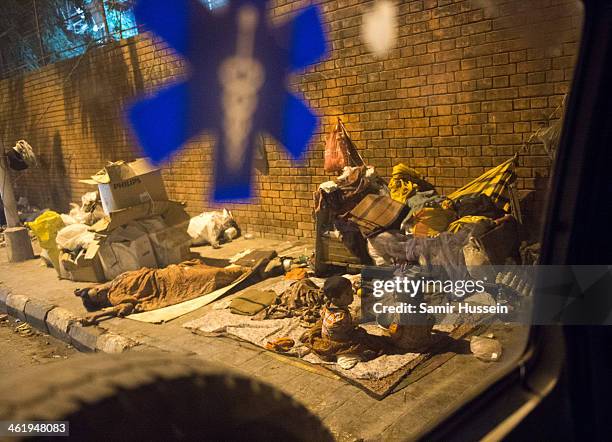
(18,244)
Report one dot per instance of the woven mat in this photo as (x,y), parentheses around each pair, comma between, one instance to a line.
(378,377)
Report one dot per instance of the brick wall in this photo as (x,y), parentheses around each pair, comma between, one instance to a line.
(468,82)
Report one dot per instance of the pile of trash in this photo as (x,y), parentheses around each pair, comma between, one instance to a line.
(127,224)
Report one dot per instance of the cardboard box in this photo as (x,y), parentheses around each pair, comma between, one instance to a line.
(171,212)
(123,185)
(126,249)
(171,245)
(83,268)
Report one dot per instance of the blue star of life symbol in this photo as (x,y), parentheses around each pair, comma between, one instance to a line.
(236,86)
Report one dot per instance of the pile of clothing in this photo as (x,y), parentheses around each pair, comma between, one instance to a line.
(408,221)
(300,299)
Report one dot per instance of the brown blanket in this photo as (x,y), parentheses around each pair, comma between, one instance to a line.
(149,289)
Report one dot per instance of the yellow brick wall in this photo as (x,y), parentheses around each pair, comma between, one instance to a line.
(468,82)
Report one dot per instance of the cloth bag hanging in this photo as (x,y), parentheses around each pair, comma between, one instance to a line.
(336,151)
(340,151)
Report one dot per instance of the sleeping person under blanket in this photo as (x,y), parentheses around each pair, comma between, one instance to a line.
(149,289)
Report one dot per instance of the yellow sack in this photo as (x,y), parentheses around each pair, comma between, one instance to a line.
(45,227)
(430,221)
(404,183)
(457,225)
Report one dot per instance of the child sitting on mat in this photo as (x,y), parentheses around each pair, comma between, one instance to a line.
(335,337)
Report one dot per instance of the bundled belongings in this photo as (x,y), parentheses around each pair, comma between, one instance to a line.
(335,199)
(500,242)
(149,289)
(477,208)
(477,205)
(430,221)
(346,191)
(21,156)
(469,220)
(74,237)
(212,227)
(373,214)
(387,247)
(303,299)
(406,182)
(125,184)
(494,183)
(376,213)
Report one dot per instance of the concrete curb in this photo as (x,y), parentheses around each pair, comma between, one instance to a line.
(15,306)
(61,324)
(36,314)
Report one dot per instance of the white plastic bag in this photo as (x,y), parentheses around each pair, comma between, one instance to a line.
(74,237)
(90,210)
(208,227)
(88,199)
(68,220)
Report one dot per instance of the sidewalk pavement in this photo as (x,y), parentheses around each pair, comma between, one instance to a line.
(33,293)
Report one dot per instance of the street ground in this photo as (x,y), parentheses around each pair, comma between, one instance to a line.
(22,347)
(347,411)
